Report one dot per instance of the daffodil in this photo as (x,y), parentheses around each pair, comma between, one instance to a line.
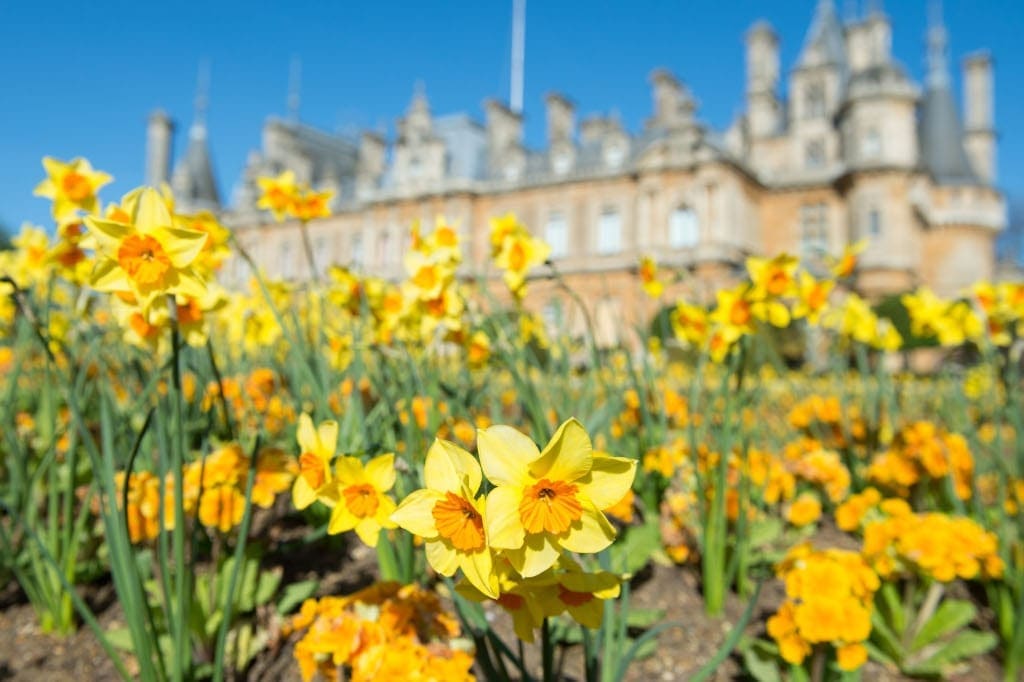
(652,286)
(146,255)
(71,185)
(278,194)
(315,478)
(362,504)
(812,297)
(311,204)
(450,517)
(550,500)
(519,252)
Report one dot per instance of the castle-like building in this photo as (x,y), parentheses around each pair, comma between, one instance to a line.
(856,150)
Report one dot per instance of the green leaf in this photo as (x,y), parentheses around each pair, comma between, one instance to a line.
(965,645)
(266,586)
(951,615)
(765,531)
(646,648)
(632,553)
(760,659)
(294,594)
(644,618)
(120,638)
(883,657)
(883,635)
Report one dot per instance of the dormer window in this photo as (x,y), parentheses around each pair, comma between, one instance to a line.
(561,162)
(415,167)
(614,155)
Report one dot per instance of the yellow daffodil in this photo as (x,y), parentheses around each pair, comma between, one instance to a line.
(278,194)
(652,286)
(146,255)
(71,186)
(547,501)
(812,297)
(519,252)
(311,204)
(690,323)
(846,264)
(733,314)
(362,504)
(448,514)
(314,480)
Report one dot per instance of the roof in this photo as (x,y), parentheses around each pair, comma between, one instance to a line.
(941,138)
(193,180)
(825,44)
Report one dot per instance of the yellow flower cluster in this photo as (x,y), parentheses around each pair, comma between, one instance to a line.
(924,450)
(214,486)
(936,545)
(809,461)
(510,544)
(285,196)
(257,400)
(384,632)
(952,323)
(829,597)
(516,252)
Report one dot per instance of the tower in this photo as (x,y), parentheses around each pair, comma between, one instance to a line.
(979,132)
(159,136)
(763,107)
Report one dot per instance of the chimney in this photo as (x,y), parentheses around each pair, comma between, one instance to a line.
(506,157)
(668,94)
(764,112)
(159,135)
(979,130)
(372,150)
(561,119)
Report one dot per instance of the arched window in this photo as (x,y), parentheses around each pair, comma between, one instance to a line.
(814,101)
(683,228)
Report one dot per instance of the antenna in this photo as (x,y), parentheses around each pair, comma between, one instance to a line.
(294,87)
(518,55)
(202,100)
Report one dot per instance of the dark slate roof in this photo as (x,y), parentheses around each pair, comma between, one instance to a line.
(824,43)
(193,178)
(941,138)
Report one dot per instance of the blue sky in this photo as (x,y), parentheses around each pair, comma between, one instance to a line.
(79,78)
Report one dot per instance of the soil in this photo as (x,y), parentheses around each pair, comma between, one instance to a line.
(27,654)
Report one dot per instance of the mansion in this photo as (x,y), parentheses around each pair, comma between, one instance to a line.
(856,150)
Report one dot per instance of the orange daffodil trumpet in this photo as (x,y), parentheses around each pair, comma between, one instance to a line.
(448,514)
(551,500)
(141,251)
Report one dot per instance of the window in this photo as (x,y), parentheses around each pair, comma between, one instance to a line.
(815,154)
(415,167)
(813,231)
(557,235)
(874,223)
(814,101)
(871,146)
(614,155)
(561,163)
(609,232)
(683,229)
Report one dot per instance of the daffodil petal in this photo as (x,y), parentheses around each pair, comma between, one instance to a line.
(538,554)
(590,534)
(151,212)
(478,567)
(368,531)
(181,245)
(505,454)
(447,465)
(380,472)
(326,438)
(342,520)
(609,480)
(349,470)
(442,557)
(303,494)
(306,434)
(416,513)
(385,508)
(504,525)
(567,456)
(107,275)
(588,614)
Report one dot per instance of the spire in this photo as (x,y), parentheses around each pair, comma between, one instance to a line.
(202,100)
(515,99)
(824,43)
(193,181)
(938,57)
(294,87)
(941,133)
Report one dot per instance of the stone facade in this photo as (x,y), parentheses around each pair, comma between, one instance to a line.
(857,151)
